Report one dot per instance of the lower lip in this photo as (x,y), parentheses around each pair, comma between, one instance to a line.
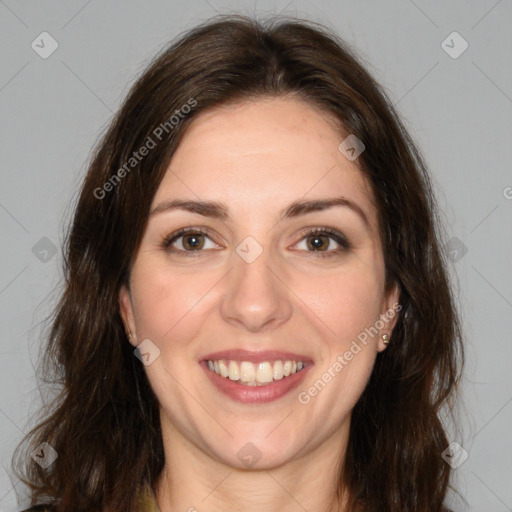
(255,394)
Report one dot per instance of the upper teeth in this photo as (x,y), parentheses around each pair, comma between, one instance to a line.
(255,374)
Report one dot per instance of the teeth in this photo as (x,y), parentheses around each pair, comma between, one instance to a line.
(278,370)
(259,374)
(234,372)
(264,373)
(224,372)
(247,372)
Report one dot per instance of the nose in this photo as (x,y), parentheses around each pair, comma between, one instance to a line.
(256,297)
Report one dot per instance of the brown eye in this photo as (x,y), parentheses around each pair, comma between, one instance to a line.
(318,242)
(193,242)
(188,242)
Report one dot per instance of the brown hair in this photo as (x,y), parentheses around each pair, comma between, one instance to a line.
(104,424)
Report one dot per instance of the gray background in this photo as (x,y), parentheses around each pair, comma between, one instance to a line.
(458,110)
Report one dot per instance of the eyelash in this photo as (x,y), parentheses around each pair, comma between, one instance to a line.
(335,235)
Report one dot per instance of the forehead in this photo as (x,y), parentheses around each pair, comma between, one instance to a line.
(263,154)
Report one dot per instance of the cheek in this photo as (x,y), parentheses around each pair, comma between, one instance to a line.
(160,299)
(166,303)
(346,302)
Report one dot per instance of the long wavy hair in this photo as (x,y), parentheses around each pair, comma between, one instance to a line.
(104,424)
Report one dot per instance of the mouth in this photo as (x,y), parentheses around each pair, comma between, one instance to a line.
(250,374)
(255,377)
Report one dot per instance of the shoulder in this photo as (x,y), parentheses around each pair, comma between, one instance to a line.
(146,502)
(40,508)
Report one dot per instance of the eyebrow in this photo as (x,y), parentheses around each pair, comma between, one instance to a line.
(219,210)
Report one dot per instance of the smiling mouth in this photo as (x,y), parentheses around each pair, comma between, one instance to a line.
(255,374)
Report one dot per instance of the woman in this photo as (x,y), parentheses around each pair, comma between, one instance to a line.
(257,314)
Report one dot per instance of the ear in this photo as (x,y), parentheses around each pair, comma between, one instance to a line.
(126,311)
(389,315)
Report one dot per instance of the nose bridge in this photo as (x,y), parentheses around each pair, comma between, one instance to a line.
(255,297)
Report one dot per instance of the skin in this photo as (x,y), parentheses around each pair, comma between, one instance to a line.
(258,156)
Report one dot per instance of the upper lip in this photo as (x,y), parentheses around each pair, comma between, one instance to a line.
(253,356)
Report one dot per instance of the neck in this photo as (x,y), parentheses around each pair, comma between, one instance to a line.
(193,481)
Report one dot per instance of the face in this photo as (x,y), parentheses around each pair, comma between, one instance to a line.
(285,302)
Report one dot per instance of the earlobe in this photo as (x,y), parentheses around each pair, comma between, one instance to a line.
(126,312)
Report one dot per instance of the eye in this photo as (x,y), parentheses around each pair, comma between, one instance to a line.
(188,241)
(319,242)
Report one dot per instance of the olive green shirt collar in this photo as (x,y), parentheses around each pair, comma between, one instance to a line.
(147,501)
